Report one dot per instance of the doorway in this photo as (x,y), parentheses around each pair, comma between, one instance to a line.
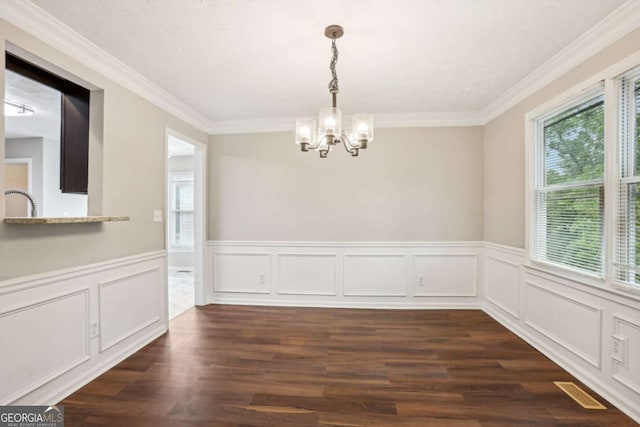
(185,223)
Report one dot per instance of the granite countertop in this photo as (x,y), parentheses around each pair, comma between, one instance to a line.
(65,220)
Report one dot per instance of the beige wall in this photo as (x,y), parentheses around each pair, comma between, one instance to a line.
(409,185)
(504,168)
(133,179)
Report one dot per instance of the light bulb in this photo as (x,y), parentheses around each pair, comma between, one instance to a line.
(304,134)
(330,125)
(363,130)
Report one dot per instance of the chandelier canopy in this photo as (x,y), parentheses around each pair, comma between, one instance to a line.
(329,132)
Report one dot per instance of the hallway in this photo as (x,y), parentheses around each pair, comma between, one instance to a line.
(181,291)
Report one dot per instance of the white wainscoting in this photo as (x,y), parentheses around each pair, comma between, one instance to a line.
(244,272)
(345,274)
(501,276)
(626,366)
(572,323)
(30,335)
(448,275)
(128,304)
(307,274)
(60,330)
(375,275)
(568,321)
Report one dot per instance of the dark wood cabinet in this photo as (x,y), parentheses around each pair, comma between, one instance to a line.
(74,140)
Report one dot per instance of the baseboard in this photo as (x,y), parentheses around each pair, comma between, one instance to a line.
(347,304)
(621,402)
(342,244)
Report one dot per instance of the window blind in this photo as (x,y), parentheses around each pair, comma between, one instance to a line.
(568,205)
(627,254)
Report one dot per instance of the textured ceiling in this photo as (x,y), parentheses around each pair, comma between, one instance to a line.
(243,59)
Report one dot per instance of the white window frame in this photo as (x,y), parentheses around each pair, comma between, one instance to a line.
(538,177)
(608,77)
(622,156)
(174,178)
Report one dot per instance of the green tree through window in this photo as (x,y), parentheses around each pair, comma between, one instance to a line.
(570,208)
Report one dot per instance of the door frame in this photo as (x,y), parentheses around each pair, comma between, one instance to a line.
(200,213)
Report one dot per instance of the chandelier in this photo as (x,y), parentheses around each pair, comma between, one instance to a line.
(16,109)
(329,131)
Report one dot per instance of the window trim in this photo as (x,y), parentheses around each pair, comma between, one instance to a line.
(633,73)
(536,172)
(609,76)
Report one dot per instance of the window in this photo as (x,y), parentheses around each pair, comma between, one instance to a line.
(182,217)
(74,123)
(583,200)
(568,196)
(627,256)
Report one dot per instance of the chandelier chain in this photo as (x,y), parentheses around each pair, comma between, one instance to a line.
(333,84)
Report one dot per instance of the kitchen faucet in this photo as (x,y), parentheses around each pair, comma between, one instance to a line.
(34,211)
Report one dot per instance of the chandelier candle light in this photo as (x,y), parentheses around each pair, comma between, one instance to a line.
(329,132)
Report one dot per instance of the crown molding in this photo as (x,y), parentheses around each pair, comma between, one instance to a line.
(40,24)
(616,25)
(381,121)
(276,124)
(405,120)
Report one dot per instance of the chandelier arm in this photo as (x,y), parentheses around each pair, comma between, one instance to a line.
(347,144)
(348,141)
(315,147)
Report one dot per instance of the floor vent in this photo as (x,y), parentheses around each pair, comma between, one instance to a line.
(579,395)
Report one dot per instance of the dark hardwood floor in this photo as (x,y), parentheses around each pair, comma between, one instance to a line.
(267,366)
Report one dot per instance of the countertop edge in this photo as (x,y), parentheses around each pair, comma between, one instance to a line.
(65,220)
